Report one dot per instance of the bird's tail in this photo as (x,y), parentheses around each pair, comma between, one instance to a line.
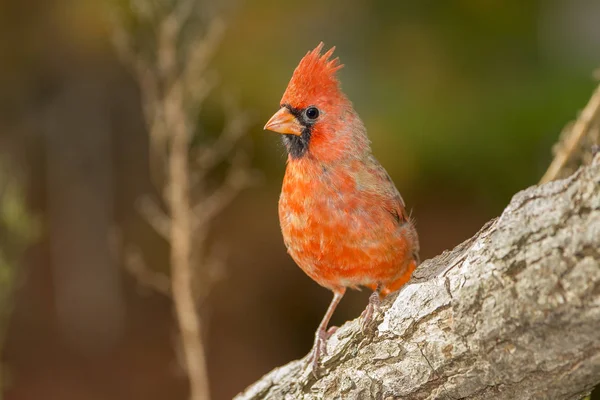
(402,279)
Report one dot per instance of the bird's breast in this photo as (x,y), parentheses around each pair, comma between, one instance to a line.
(336,233)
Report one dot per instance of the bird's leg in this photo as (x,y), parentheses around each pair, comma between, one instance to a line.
(372,307)
(321,336)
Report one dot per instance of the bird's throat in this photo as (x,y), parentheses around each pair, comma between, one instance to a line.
(297,146)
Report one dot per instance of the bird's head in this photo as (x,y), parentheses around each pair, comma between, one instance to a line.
(316,118)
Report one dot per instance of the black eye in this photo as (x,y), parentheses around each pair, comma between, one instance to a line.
(312,113)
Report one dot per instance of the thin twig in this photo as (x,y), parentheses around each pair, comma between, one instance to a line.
(199,56)
(238,178)
(152,213)
(144,9)
(214,271)
(575,136)
(181,260)
(236,126)
(135,265)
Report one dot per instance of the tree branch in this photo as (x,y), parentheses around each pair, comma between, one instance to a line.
(238,178)
(512,313)
(151,211)
(572,143)
(174,85)
(157,281)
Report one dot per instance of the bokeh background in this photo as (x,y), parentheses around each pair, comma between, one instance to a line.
(463,101)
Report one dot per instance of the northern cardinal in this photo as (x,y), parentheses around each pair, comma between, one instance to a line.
(343,221)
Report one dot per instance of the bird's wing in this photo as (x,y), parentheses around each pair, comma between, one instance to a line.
(394,204)
(384,187)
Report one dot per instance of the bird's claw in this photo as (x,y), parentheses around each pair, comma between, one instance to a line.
(366,318)
(367,315)
(319,348)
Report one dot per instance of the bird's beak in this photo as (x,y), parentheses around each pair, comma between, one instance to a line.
(284,122)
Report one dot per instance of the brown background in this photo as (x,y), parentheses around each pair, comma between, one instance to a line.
(463,102)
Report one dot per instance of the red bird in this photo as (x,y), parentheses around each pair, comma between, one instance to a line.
(343,220)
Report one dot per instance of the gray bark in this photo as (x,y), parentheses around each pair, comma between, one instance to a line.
(512,313)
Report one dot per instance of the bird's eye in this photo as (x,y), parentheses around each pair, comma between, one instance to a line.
(312,113)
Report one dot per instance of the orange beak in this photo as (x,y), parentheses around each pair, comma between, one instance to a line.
(284,122)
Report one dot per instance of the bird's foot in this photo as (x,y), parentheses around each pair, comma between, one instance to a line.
(372,308)
(319,349)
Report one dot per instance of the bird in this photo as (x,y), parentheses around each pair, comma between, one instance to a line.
(342,219)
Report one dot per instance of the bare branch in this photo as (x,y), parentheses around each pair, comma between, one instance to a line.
(198,91)
(183,12)
(152,213)
(173,91)
(213,271)
(169,33)
(200,54)
(167,48)
(236,126)
(144,73)
(135,265)
(151,93)
(567,148)
(238,178)
(145,9)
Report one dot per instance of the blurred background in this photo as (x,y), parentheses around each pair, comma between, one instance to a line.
(463,101)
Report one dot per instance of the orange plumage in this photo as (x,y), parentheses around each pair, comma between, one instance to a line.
(343,220)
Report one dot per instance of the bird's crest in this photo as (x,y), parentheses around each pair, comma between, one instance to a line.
(314,78)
